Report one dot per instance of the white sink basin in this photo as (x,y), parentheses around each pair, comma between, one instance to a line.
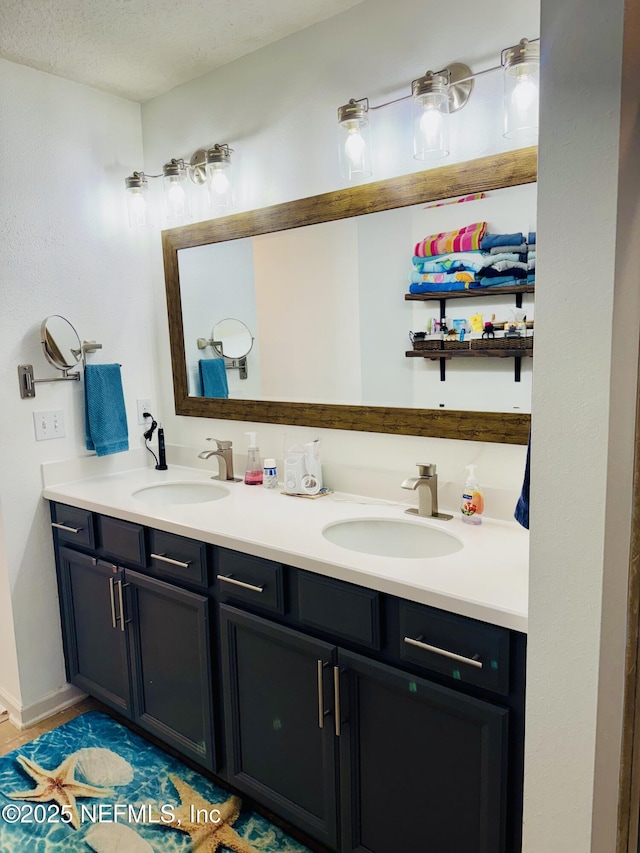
(180,493)
(385,537)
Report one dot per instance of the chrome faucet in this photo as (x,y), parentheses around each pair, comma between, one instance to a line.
(426,485)
(225,459)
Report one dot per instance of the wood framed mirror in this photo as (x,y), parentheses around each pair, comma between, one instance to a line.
(498,171)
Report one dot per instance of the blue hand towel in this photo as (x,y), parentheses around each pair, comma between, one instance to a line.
(105,415)
(213,377)
(491,240)
(521,514)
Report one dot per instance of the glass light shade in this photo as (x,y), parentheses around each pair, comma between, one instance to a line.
(354,141)
(521,91)
(220,182)
(430,106)
(176,192)
(137,200)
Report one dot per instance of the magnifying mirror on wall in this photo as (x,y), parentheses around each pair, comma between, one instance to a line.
(60,342)
(231,338)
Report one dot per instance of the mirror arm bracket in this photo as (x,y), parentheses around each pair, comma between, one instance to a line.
(27,381)
(229,363)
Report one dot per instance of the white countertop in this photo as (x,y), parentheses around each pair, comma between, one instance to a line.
(487,579)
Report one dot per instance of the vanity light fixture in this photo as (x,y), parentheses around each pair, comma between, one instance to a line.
(210,166)
(434,97)
(137,204)
(213,167)
(521,89)
(176,190)
(354,145)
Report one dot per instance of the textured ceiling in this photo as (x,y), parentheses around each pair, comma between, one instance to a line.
(142,48)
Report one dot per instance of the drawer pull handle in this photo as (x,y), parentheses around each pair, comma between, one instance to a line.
(471,661)
(321,711)
(243,584)
(113,604)
(66,527)
(164,559)
(123,621)
(336,694)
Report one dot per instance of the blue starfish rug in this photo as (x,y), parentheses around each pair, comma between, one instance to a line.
(92,784)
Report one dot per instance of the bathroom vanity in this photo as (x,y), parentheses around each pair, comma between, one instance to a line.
(375,704)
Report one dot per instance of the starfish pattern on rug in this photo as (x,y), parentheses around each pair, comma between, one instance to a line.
(207,837)
(59,786)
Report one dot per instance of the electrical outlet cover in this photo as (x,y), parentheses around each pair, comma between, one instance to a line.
(144,405)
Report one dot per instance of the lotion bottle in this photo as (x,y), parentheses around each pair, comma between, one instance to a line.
(253,474)
(472,501)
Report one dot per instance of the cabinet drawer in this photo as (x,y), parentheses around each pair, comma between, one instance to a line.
(122,540)
(342,609)
(241,577)
(178,557)
(73,525)
(465,649)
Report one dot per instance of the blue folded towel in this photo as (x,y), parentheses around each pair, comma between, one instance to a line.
(213,377)
(430,287)
(521,514)
(531,238)
(105,415)
(491,240)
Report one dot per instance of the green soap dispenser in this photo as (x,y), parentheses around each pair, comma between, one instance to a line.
(253,474)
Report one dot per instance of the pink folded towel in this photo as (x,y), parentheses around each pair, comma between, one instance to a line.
(465,239)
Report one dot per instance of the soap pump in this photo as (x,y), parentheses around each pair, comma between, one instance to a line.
(472,501)
(253,474)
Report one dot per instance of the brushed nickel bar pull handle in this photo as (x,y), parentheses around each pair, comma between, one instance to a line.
(66,527)
(336,698)
(164,559)
(114,624)
(121,601)
(321,711)
(243,584)
(446,654)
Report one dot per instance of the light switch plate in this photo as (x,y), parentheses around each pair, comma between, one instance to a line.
(48,425)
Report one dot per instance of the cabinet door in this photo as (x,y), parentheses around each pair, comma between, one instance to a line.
(422,767)
(94,629)
(170,664)
(279,720)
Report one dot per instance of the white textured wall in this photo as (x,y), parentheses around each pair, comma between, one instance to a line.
(64,152)
(583,428)
(277,108)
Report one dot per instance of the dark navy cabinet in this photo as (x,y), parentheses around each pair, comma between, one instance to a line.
(423,767)
(96,642)
(281,747)
(369,723)
(137,643)
(170,664)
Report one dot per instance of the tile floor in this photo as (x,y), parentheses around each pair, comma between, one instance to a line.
(11,737)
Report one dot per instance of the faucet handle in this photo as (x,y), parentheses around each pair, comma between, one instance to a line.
(427,470)
(222,445)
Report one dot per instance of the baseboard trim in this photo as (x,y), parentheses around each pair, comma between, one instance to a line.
(23,716)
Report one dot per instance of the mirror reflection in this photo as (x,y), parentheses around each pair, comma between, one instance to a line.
(232,342)
(328,305)
(60,342)
(231,338)
(327,335)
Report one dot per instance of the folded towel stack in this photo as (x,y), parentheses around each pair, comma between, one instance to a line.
(508,260)
(470,258)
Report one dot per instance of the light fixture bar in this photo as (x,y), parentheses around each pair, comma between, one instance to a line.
(466,79)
